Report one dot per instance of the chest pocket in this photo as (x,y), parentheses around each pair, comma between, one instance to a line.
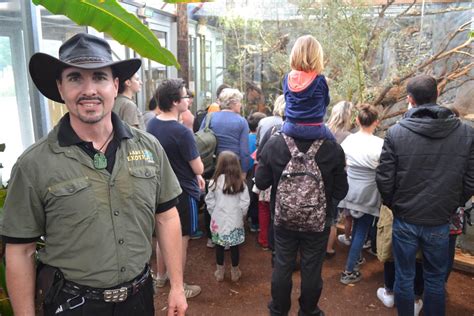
(144,185)
(71,201)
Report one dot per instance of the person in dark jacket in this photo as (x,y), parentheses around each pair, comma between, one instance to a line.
(330,159)
(426,171)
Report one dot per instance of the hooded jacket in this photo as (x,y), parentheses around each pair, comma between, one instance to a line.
(426,167)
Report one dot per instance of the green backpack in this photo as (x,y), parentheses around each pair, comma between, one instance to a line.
(206,143)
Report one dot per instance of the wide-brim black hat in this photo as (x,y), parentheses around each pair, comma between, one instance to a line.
(82,51)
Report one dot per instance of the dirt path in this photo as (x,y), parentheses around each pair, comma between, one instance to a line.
(252,293)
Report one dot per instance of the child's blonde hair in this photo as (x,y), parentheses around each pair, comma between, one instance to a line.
(307,55)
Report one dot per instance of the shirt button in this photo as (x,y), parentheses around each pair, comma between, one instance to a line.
(116,213)
(122,269)
(70,190)
(121,241)
(147,173)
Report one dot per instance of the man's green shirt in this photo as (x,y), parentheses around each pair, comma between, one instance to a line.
(97,224)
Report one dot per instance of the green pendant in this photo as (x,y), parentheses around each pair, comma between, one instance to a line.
(100,161)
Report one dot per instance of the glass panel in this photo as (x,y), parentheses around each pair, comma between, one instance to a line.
(219,62)
(206,75)
(192,63)
(16,125)
(56,30)
(155,73)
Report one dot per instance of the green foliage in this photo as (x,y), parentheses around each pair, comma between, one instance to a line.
(5,306)
(3,195)
(110,17)
(255,50)
(349,33)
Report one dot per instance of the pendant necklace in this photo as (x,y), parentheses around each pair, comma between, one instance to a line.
(100,161)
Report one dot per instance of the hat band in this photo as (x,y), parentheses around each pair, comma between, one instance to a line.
(86,60)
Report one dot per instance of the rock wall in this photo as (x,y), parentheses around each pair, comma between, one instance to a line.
(406,47)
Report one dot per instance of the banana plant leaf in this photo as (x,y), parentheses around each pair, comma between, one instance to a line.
(110,17)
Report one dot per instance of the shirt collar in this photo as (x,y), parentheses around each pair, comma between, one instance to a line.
(68,137)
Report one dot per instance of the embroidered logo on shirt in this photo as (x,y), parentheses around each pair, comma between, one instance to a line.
(136,155)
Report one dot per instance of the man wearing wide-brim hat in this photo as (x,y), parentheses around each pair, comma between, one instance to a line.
(95,188)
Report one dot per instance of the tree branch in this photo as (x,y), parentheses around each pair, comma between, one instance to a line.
(376,27)
(439,55)
(406,10)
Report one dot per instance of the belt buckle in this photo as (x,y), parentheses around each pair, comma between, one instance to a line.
(116,295)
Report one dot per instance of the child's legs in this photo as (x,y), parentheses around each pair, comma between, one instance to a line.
(160,262)
(253,208)
(347,224)
(234,255)
(220,255)
(207,222)
(331,239)
(389,275)
(264,220)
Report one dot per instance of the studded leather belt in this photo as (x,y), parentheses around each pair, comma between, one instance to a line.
(115,295)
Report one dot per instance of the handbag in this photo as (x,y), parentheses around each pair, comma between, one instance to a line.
(206,143)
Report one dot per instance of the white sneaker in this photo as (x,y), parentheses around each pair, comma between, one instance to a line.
(342,239)
(191,291)
(210,244)
(386,298)
(418,306)
(367,244)
(160,281)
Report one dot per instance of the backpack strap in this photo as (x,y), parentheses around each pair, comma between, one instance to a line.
(208,121)
(290,142)
(313,150)
(294,151)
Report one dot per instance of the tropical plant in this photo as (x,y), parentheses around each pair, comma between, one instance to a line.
(110,17)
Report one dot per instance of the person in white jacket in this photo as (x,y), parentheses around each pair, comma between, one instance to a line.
(227,203)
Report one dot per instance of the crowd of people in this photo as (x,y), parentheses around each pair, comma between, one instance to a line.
(98,185)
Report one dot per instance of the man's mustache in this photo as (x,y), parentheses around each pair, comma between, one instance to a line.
(90,99)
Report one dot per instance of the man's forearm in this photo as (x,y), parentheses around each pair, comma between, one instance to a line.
(20,276)
(168,228)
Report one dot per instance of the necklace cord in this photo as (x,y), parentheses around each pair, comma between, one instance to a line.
(107,140)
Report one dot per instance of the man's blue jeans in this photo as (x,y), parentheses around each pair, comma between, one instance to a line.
(433,241)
